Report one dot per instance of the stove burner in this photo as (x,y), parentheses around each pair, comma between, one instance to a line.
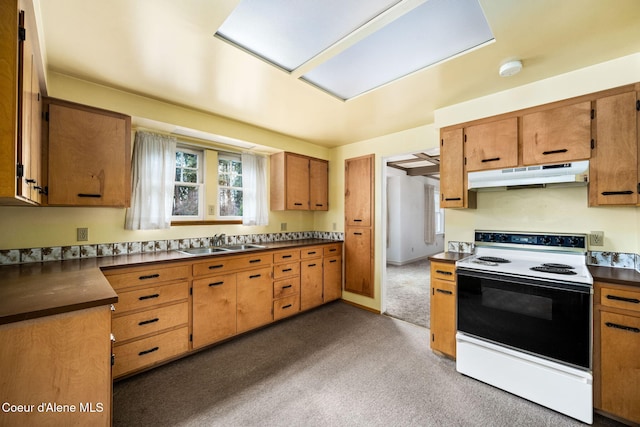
(493,259)
(555,270)
(561,266)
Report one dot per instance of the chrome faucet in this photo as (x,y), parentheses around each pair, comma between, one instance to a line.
(219,239)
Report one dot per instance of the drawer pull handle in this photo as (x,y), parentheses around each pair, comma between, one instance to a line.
(623,299)
(286,306)
(255,276)
(546,153)
(146,322)
(311,253)
(287,256)
(443,291)
(357,220)
(447,273)
(287,286)
(95,196)
(287,269)
(253,261)
(142,298)
(452,199)
(319,205)
(616,193)
(297,204)
(151,350)
(150,276)
(334,260)
(332,250)
(493,159)
(357,234)
(311,265)
(623,327)
(213,267)
(216,283)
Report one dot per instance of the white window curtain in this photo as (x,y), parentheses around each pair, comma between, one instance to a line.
(152,175)
(254,190)
(429,215)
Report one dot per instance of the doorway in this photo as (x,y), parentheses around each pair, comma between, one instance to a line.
(411,201)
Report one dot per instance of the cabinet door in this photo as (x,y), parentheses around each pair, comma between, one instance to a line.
(310,283)
(297,182)
(214,309)
(443,316)
(332,282)
(491,145)
(620,365)
(452,176)
(318,185)
(614,167)
(358,249)
(557,135)
(358,196)
(255,299)
(89,158)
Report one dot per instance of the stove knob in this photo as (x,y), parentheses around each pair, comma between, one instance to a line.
(574,241)
(503,237)
(546,240)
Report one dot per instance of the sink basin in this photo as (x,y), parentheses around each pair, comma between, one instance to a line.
(203,251)
(242,247)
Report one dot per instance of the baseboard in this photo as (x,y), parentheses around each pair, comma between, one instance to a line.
(401,263)
(363,307)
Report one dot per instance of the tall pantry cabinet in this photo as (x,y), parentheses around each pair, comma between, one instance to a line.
(359,230)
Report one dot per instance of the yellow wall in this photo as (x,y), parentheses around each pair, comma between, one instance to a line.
(559,210)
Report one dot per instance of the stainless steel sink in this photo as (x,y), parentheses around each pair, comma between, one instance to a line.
(220,249)
(243,247)
(203,251)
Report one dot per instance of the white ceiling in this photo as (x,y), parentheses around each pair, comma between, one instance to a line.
(165,49)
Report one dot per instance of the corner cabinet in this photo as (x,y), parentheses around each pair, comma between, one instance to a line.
(617,346)
(298,182)
(20,105)
(615,166)
(87,155)
(359,231)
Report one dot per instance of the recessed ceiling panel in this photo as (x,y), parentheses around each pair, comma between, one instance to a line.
(428,34)
(288,33)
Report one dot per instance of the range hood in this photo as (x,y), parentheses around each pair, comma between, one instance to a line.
(562,174)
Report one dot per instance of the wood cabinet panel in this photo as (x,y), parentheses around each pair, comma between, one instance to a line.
(298,182)
(214,309)
(624,299)
(286,270)
(614,168)
(452,174)
(287,255)
(358,199)
(492,145)
(130,278)
(66,359)
(332,277)
(255,299)
(443,313)
(89,156)
(297,185)
(150,321)
(148,297)
(311,280)
(224,264)
(318,185)
(557,135)
(286,287)
(358,253)
(285,307)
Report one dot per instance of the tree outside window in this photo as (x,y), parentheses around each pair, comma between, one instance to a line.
(229,185)
(188,191)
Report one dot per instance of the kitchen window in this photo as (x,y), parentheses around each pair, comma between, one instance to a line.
(188,192)
(230,194)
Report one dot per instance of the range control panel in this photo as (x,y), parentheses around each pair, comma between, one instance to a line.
(549,240)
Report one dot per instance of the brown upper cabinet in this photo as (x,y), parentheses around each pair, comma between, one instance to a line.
(87,155)
(453,176)
(20,105)
(298,182)
(492,145)
(557,135)
(358,195)
(614,167)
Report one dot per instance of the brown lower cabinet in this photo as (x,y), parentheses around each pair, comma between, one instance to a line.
(443,308)
(617,350)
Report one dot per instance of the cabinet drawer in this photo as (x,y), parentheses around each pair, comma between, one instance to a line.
(620,298)
(286,287)
(150,321)
(286,270)
(286,306)
(443,271)
(222,264)
(148,351)
(148,297)
(331,250)
(285,256)
(146,277)
(312,252)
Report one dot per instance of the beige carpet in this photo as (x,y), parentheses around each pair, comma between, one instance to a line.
(407,292)
(334,366)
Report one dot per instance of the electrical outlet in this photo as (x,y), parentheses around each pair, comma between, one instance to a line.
(335,226)
(82,234)
(283,226)
(596,238)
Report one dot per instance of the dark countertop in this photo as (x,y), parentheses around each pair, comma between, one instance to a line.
(620,276)
(29,291)
(449,256)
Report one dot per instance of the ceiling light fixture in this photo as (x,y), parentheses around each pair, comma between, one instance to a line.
(510,68)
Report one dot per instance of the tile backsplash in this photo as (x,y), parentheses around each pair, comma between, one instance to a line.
(57,253)
(605,259)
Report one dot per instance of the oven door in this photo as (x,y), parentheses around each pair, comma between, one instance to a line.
(548,319)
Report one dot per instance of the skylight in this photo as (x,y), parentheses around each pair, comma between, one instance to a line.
(350,47)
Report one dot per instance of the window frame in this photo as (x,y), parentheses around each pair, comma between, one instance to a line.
(226,155)
(200,185)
